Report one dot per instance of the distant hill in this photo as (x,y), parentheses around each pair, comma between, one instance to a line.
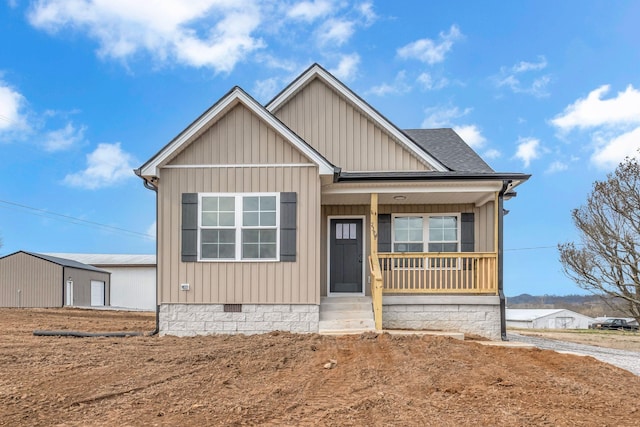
(589,305)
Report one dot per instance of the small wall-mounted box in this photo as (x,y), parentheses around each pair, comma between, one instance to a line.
(184,286)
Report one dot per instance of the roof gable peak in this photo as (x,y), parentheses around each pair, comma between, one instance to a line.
(232,98)
(317,71)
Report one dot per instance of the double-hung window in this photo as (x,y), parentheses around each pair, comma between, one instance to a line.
(427,233)
(238,226)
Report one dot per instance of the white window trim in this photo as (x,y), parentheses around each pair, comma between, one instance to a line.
(238,227)
(425,236)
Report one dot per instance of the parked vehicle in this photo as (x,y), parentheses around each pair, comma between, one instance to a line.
(614,324)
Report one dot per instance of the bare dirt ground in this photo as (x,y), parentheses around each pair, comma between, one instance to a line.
(280,379)
(609,339)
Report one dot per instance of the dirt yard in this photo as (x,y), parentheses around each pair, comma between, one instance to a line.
(281,379)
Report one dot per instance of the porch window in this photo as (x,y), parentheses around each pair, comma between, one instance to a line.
(436,233)
(238,226)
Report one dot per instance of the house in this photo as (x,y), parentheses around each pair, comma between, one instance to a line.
(533,318)
(29,279)
(269,216)
(133,277)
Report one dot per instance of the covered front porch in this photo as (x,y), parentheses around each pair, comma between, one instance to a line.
(405,283)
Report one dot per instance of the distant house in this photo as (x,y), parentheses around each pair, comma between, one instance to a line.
(271,216)
(530,318)
(133,277)
(30,279)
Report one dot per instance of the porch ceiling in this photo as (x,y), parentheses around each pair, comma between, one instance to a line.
(477,193)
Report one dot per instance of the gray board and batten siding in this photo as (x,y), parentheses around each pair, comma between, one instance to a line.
(34,280)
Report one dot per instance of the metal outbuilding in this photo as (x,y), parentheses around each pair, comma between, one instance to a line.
(133,277)
(29,279)
(531,318)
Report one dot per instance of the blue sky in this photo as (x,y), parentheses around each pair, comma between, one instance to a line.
(89,90)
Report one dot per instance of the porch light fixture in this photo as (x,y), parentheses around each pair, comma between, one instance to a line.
(399,197)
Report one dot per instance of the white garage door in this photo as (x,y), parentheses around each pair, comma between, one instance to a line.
(97,293)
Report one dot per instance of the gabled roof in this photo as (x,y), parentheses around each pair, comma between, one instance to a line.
(528,314)
(316,71)
(447,146)
(110,259)
(209,117)
(61,261)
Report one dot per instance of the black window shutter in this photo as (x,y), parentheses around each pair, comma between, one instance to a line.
(189,227)
(288,227)
(467,239)
(384,232)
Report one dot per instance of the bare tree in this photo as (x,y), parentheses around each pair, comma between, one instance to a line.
(607,260)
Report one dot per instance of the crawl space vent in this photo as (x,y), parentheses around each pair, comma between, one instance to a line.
(233,308)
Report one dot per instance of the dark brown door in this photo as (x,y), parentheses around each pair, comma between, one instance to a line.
(345,256)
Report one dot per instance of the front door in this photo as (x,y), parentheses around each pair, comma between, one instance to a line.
(345,255)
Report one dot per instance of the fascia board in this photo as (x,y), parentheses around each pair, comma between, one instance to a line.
(150,169)
(317,70)
(413,187)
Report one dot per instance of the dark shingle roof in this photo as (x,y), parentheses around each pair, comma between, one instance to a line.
(447,146)
(66,262)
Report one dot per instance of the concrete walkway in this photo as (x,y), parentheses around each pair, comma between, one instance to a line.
(628,360)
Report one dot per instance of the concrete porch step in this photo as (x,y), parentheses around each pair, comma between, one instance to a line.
(340,315)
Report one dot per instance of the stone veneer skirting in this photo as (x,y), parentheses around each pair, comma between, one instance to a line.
(478,315)
(205,319)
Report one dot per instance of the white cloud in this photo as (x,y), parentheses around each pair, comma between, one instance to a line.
(266,89)
(471,135)
(170,31)
(448,117)
(528,150)
(107,165)
(594,111)
(556,167)
(611,154)
(151,231)
(613,123)
(398,86)
(64,138)
(335,32)
(512,78)
(309,11)
(366,10)
(347,67)
(12,115)
(430,51)
(523,66)
(442,117)
(427,82)
(492,154)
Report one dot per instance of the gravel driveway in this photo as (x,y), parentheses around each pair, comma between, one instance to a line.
(629,360)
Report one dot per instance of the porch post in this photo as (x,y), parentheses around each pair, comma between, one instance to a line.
(496,236)
(374,264)
(373,217)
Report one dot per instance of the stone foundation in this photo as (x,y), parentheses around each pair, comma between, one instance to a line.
(205,319)
(479,315)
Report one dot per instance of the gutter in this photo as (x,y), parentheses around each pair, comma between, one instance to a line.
(149,185)
(340,176)
(503,305)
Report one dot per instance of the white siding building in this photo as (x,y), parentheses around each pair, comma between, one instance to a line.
(133,277)
(529,318)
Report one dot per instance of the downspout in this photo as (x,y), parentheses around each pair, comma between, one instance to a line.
(150,186)
(503,305)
